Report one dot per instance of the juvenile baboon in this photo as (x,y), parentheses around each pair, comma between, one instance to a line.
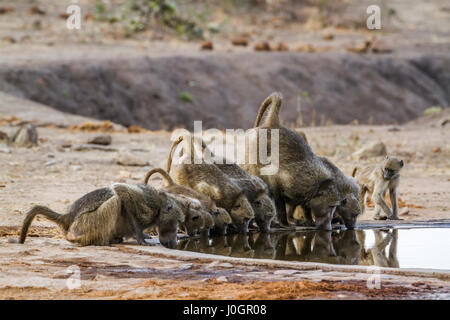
(257,193)
(302,178)
(211,181)
(377,179)
(105,216)
(221,217)
(349,208)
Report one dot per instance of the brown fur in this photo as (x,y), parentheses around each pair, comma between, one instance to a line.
(105,216)
(211,181)
(302,179)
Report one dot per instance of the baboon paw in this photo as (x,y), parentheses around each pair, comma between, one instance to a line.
(380,218)
(394,218)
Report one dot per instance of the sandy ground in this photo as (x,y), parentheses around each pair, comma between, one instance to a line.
(55,174)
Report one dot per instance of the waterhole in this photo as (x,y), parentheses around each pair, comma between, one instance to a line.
(395,248)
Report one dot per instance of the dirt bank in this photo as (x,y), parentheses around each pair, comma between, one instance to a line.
(225,90)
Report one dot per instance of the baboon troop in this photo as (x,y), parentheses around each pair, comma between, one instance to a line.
(224,197)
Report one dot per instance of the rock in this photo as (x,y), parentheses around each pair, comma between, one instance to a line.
(281,46)
(4,148)
(127,159)
(36,10)
(50,163)
(444,122)
(437,149)
(239,41)
(207,45)
(88,147)
(102,139)
(404,211)
(225,265)
(285,272)
(26,136)
(375,149)
(262,46)
(393,129)
(305,47)
(222,279)
(328,36)
(4,137)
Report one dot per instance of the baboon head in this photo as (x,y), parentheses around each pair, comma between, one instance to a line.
(349,209)
(221,221)
(265,211)
(391,168)
(193,221)
(241,213)
(170,217)
(323,204)
(209,222)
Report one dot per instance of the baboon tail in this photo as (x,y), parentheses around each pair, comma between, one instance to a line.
(172,148)
(354,171)
(162,172)
(273,100)
(60,219)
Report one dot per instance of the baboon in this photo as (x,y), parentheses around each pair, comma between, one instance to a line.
(377,179)
(105,216)
(257,193)
(211,181)
(302,178)
(221,217)
(349,208)
(194,221)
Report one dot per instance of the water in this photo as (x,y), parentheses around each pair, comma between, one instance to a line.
(395,248)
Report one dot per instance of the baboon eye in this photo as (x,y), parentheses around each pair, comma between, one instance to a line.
(320,194)
(237,206)
(169,206)
(258,203)
(216,212)
(195,218)
(344,202)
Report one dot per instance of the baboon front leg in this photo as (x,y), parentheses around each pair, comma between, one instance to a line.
(380,203)
(281,211)
(394,202)
(308,216)
(131,218)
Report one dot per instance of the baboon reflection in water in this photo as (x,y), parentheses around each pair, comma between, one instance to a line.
(335,247)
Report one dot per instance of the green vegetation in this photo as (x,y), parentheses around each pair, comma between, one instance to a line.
(186,97)
(432,110)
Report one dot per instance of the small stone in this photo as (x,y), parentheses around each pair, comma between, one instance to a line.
(4,148)
(239,41)
(222,279)
(285,272)
(102,139)
(437,149)
(76,168)
(393,129)
(127,159)
(375,149)
(207,45)
(26,136)
(262,46)
(225,265)
(305,47)
(404,211)
(50,163)
(328,36)
(281,46)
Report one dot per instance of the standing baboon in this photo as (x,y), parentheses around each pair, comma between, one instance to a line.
(107,215)
(302,178)
(377,179)
(349,208)
(220,216)
(211,181)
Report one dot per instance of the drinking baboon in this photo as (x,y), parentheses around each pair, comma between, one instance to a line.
(221,217)
(211,181)
(377,179)
(302,178)
(105,216)
(257,193)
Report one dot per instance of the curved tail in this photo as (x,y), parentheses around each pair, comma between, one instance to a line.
(172,148)
(273,100)
(354,171)
(162,172)
(60,219)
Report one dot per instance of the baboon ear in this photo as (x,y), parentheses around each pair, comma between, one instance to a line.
(401,163)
